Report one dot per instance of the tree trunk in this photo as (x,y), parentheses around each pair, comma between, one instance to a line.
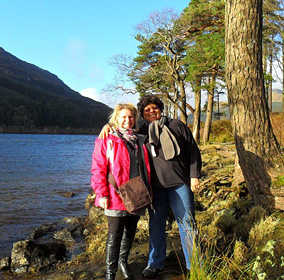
(175,100)
(264,55)
(175,113)
(270,81)
(264,59)
(283,74)
(196,115)
(167,108)
(260,156)
(183,115)
(209,113)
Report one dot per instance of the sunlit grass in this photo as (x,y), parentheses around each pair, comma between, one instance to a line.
(212,265)
(260,257)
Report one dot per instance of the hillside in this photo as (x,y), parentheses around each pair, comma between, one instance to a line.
(37,101)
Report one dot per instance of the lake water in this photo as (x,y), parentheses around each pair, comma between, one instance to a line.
(35,173)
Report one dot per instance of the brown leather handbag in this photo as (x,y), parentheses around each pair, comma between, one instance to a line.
(134,194)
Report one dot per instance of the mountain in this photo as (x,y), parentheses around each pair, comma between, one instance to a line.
(33,100)
(276,95)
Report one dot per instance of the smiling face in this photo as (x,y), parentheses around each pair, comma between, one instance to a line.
(152,113)
(125,119)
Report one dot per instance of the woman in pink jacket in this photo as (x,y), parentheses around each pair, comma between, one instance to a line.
(118,154)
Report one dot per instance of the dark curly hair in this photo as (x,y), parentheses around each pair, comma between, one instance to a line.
(148,99)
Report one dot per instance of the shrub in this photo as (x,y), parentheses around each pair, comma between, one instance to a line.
(221,131)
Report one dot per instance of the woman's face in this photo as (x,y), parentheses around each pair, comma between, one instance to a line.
(152,113)
(125,119)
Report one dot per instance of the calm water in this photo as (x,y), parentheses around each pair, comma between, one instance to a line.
(35,173)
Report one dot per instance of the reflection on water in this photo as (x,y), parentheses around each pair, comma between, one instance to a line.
(35,173)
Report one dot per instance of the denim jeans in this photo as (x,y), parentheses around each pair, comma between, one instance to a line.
(181,200)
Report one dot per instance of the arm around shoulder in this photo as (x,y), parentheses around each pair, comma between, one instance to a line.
(105,131)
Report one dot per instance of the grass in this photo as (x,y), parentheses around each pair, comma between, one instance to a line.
(279,181)
(210,265)
(256,252)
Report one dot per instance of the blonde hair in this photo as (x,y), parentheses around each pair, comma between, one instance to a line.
(120,106)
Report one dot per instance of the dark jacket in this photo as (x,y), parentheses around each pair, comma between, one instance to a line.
(179,170)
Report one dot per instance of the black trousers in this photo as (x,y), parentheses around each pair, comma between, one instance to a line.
(117,225)
(121,232)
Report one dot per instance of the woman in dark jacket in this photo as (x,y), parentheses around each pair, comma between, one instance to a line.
(175,171)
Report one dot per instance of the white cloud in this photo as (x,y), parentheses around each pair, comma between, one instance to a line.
(91,93)
(95,95)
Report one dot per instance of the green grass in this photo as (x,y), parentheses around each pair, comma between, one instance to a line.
(279,181)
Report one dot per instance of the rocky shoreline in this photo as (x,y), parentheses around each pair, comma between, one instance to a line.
(46,247)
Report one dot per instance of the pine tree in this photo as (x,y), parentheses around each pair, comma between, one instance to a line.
(260,155)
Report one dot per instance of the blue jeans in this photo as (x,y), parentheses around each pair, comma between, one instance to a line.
(181,200)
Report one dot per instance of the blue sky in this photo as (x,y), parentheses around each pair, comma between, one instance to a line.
(76,39)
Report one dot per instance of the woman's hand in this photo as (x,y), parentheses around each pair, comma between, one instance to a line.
(105,131)
(194,184)
(104,201)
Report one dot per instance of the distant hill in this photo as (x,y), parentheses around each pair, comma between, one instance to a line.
(224,112)
(276,94)
(37,101)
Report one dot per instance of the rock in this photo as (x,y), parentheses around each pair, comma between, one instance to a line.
(69,194)
(72,222)
(90,201)
(279,203)
(27,256)
(41,231)
(64,235)
(5,263)
(75,225)
(71,227)
(86,232)
(95,214)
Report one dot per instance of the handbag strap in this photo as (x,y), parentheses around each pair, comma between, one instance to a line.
(111,180)
(142,173)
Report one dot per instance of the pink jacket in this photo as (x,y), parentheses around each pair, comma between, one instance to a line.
(111,152)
